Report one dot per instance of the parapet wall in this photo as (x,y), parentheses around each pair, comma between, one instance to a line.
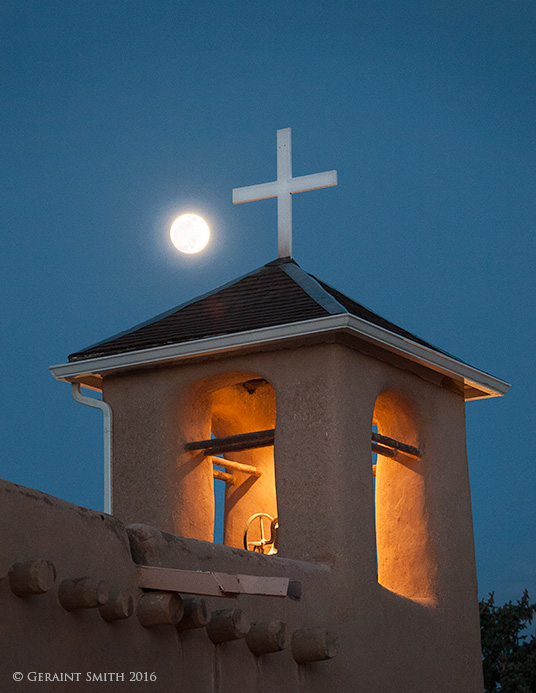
(47,634)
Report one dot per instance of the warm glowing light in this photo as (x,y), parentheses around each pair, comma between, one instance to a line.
(189,233)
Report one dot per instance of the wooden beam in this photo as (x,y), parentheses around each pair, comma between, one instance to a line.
(386,452)
(237,447)
(254,436)
(263,439)
(396,444)
(236,466)
(223,476)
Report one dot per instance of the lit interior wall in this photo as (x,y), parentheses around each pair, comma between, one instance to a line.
(229,404)
(406,560)
(241,408)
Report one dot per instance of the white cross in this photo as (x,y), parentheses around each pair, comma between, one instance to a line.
(283,188)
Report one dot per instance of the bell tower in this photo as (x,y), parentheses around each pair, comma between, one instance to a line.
(284,389)
(340,440)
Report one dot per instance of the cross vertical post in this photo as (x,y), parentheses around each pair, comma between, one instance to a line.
(283,188)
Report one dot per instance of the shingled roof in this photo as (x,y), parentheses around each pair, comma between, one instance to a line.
(277,293)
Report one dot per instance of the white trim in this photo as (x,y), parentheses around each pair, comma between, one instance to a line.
(199,347)
(419,353)
(487,384)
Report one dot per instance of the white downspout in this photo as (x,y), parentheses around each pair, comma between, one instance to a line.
(107,414)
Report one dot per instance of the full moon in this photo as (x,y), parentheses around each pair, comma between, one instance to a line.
(189,233)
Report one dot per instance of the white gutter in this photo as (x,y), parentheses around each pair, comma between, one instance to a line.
(107,414)
(486,384)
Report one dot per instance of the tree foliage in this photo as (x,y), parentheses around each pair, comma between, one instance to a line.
(508,655)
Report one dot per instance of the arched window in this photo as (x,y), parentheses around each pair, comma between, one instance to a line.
(406,560)
(241,416)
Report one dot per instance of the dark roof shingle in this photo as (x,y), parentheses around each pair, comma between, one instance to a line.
(278,293)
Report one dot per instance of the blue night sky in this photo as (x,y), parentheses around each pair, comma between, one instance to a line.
(118,116)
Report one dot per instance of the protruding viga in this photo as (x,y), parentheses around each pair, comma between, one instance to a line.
(264,638)
(160,609)
(196,614)
(31,577)
(313,645)
(82,593)
(119,606)
(227,624)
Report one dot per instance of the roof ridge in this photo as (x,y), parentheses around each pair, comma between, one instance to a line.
(388,324)
(314,289)
(281,261)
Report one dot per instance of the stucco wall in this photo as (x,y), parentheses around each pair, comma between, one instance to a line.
(325,399)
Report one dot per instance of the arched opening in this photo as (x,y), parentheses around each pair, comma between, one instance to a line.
(240,412)
(406,560)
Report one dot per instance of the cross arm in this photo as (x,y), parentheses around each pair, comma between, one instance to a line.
(314,181)
(263,191)
(255,192)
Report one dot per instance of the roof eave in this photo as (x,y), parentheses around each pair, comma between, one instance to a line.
(478,384)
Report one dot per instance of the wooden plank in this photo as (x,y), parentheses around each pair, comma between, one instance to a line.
(228,583)
(173,580)
(210,584)
(267,586)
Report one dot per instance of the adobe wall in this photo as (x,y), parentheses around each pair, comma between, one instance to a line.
(39,636)
(393,637)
